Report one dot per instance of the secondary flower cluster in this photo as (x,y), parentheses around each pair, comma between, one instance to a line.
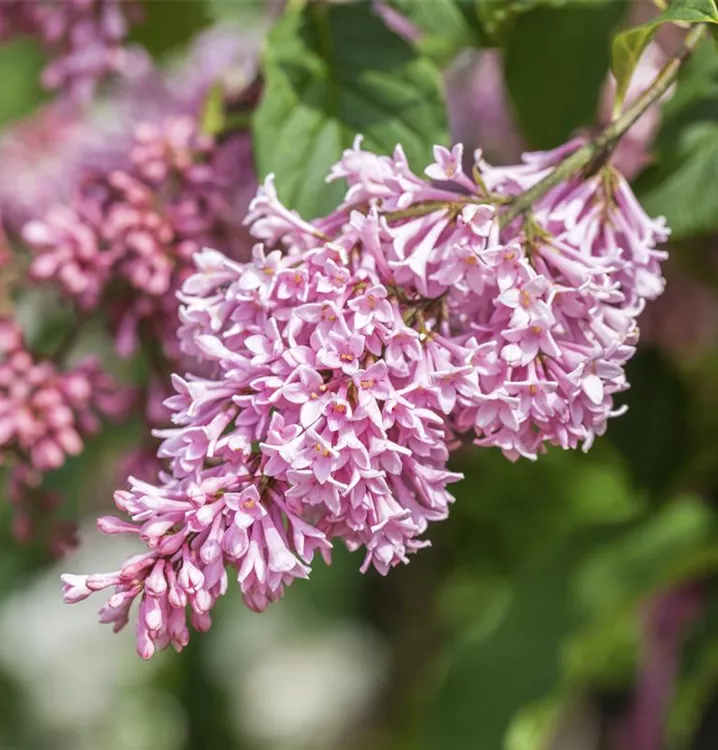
(84,38)
(561,317)
(45,413)
(344,361)
(127,240)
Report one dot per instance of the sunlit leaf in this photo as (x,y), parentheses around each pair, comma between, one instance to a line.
(333,71)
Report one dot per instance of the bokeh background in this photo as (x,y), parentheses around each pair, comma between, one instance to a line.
(563,600)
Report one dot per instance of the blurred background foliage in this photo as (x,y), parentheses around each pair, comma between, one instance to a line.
(526,626)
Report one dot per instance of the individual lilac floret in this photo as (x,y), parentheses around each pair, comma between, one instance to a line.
(84,38)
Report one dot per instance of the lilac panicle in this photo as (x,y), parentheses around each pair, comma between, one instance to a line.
(581,266)
(341,364)
(127,240)
(83,38)
(319,422)
(45,415)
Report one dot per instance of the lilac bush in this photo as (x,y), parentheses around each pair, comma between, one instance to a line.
(311,334)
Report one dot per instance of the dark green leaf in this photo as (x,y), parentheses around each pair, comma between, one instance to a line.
(654,435)
(496,16)
(333,71)
(169,24)
(687,149)
(556,60)
(629,45)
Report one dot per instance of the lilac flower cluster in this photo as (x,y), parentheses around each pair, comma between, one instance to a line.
(84,38)
(127,240)
(561,319)
(345,360)
(45,414)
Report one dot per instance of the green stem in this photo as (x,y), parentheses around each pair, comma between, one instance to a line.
(596,150)
(418,209)
(428,207)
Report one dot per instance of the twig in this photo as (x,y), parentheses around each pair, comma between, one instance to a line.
(601,146)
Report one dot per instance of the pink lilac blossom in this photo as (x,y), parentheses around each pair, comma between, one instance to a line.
(545,313)
(50,152)
(320,421)
(127,239)
(84,38)
(117,218)
(351,353)
(566,312)
(45,414)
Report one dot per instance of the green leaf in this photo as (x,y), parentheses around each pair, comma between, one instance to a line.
(333,71)
(645,559)
(21,63)
(687,147)
(247,12)
(447,26)
(170,24)
(603,655)
(556,60)
(629,45)
(534,727)
(683,195)
(654,435)
(493,676)
(497,16)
